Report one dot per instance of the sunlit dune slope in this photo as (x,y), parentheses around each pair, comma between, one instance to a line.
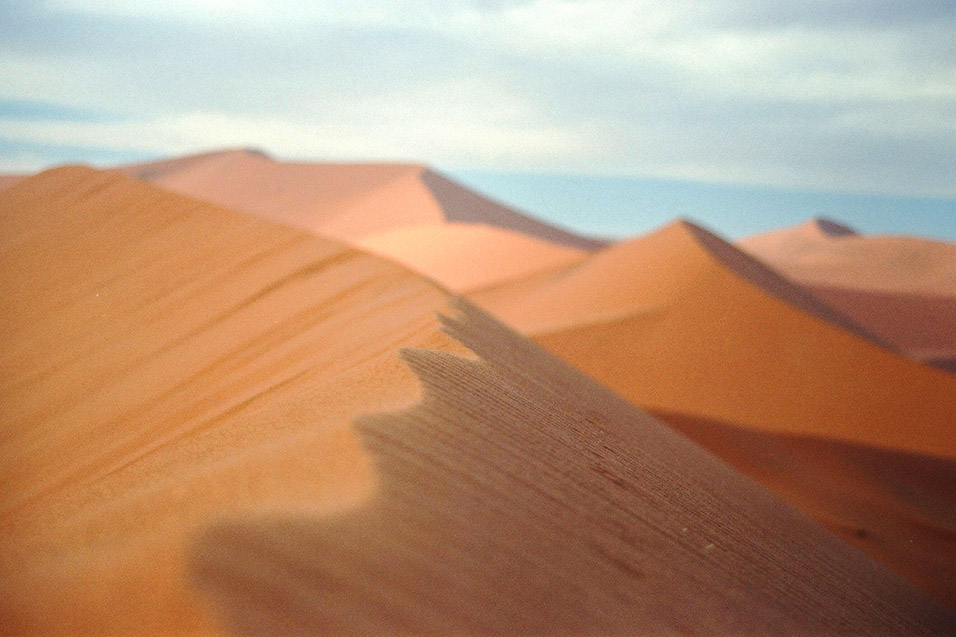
(900,508)
(342,201)
(813,254)
(465,257)
(680,321)
(522,497)
(163,361)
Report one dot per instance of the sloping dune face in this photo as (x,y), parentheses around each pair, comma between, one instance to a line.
(521,497)
(341,201)
(687,328)
(811,255)
(163,361)
(465,257)
(902,289)
(899,508)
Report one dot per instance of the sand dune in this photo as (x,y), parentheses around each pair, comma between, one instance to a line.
(521,497)
(341,201)
(814,254)
(165,360)
(899,508)
(922,326)
(465,257)
(180,381)
(676,322)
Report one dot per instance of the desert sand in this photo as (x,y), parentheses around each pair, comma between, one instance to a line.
(680,321)
(823,253)
(467,257)
(8,180)
(521,497)
(340,201)
(166,360)
(902,289)
(897,507)
(231,422)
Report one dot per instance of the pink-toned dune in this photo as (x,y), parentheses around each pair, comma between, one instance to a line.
(681,321)
(903,289)
(341,201)
(465,257)
(923,326)
(821,253)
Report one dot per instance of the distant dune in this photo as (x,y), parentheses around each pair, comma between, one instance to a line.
(466,257)
(521,497)
(814,254)
(903,289)
(341,201)
(678,322)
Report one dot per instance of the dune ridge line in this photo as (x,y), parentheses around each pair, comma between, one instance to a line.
(520,496)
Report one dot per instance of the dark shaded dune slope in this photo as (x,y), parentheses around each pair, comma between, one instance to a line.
(899,508)
(521,496)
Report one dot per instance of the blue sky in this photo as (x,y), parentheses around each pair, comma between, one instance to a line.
(833,96)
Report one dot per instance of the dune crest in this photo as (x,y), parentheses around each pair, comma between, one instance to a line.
(341,201)
(907,265)
(680,321)
(164,361)
(465,257)
(520,496)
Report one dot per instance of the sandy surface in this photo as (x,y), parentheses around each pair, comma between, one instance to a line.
(464,257)
(341,201)
(675,322)
(814,254)
(923,326)
(164,361)
(521,497)
(900,508)
(180,386)
(9,180)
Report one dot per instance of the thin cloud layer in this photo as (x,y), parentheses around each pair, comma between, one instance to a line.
(797,94)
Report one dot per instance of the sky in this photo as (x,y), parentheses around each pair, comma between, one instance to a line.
(833,96)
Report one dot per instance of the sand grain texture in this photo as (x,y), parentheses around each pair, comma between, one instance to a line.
(522,497)
(163,361)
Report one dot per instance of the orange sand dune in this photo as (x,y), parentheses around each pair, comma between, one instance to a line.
(899,508)
(522,498)
(922,326)
(163,361)
(466,257)
(680,321)
(816,254)
(342,201)
(178,382)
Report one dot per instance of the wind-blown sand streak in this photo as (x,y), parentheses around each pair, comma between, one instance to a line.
(522,497)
